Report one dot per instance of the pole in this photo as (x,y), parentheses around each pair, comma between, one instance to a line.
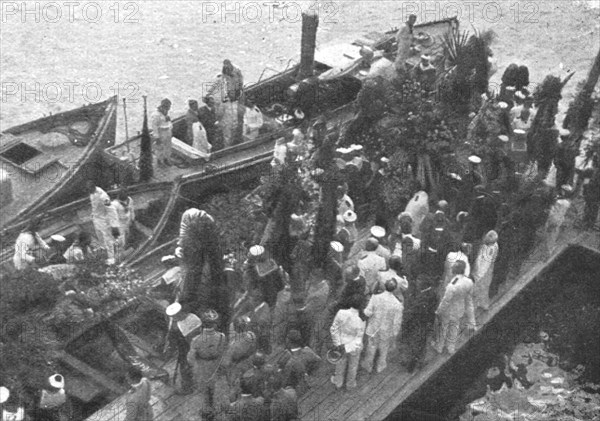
(126,126)
(310,23)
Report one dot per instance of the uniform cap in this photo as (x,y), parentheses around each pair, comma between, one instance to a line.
(337,246)
(520,95)
(256,251)
(4,394)
(511,88)
(426,57)
(356,147)
(298,114)
(377,231)
(168,258)
(349,216)
(461,215)
(385,160)
(210,316)
(474,159)
(503,138)
(455,176)
(57,381)
(519,131)
(503,105)
(58,238)
(173,309)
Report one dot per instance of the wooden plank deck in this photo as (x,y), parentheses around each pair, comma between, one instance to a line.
(376,395)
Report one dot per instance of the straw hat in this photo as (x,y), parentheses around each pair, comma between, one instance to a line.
(57,381)
(349,216)
(377,231)
(4,394)
(173,309)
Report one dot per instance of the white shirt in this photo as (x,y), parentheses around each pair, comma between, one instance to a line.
(348,330)
(385,315)
(458,300)
(370,265)
(102,210)
(161,128)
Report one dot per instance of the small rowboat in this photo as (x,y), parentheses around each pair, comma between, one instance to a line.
(47,161)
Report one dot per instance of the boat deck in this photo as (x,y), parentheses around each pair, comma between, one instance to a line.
(377,395)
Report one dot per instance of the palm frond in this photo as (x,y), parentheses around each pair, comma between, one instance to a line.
(454,43)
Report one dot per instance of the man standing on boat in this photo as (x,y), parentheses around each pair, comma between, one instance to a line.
(123,205)
(233,111)
(162,131)
(29,247)
(207,114)
(105,220)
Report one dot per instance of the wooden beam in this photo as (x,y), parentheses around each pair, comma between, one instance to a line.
(94,374)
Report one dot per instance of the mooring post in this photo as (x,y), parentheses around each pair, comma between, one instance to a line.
(310,23)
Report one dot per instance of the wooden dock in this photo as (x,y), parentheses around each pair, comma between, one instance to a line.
(377,395)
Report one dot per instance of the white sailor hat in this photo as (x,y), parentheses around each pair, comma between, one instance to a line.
(4,394)
(503,138)
(336,246)
(173,309)
(426,57)
(58,238)
(474,159)
(349,216)
(377,231)
(168,258)
(385,160)
(57,381)
(256,251)
(511,88)
(296,132)
(357,148)
(564,132)
(520,95)
(519,132)
(298,114)
(455,176)
(461,215)
(343,151)
(503,105)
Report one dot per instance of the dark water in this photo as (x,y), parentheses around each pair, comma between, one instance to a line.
(563,301)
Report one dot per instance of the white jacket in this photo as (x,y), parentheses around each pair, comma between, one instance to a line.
(103,213)
(458,300)
(348,330)
(370,265)
(385,315)
(125,214)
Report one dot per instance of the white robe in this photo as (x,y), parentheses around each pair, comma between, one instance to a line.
(418,208)
(29,247)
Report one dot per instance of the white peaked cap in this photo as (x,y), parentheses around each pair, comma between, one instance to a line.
(173,309)
(256,251)
(503,138)
(4,394)
(337,246)
(503,104)
(349,216)
(377,231)
(57,381)
(385,160)
(58,238)
(564,132)
(474,159)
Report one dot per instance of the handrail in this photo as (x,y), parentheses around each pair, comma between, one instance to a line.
(264,70)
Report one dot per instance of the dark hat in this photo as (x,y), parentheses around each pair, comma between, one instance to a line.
(259,359)
(371,244)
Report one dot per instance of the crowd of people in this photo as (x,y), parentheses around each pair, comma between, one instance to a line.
(392,283)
